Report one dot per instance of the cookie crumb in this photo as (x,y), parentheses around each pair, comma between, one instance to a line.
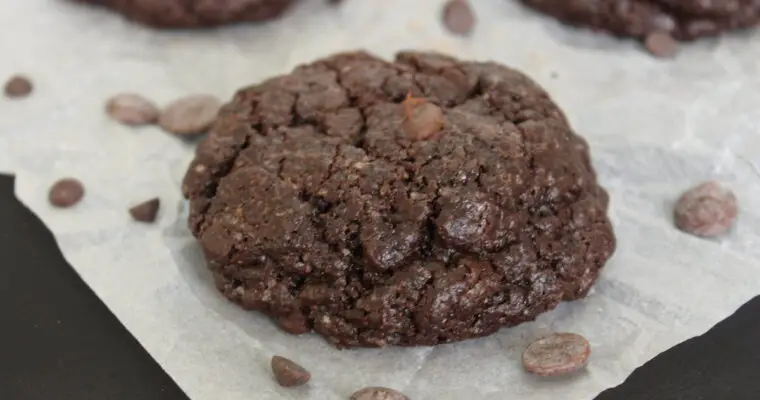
(146,211)
(18,86)
(66,193)
(131,109)
(190,115)
(556,354)
(706,210)
(458,17)
(661,44)
(288,373)
(423,120)
(378,393)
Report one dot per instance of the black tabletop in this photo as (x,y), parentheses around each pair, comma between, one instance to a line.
(59,341)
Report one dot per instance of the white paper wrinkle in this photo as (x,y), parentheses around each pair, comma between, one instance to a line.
(655,128)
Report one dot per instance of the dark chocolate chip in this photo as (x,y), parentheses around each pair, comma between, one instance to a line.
(556,354)
(458,17)
(131,109)
(378,393)
(146,211)
(702,28)
(661,44)
(66,193)
(287,373)
(422,119)
(707,210)
(190,115)
(18,86)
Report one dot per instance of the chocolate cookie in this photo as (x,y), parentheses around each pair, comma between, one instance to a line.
(418,202)
(681,19)
(194,13)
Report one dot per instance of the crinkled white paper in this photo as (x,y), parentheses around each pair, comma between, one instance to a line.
(655,127)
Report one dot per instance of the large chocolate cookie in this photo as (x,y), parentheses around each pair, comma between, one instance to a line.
(195,13)
(418,202)
(682,19)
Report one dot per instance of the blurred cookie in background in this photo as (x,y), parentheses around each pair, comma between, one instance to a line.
(195,13)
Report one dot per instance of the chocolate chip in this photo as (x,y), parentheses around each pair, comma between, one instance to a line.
(18,86)
(422,119)
(131,109)
(287,373)
(66,193)
(458,17)
(663,23)
(378,393)
(145,211)
(556,354)
(190,115)
(707,210)
(702,28)
(661,44)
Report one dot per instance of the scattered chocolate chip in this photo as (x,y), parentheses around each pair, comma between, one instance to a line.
(131,109)
(707,210)
(378,393)
(190,115)
(145,211)
(66,193)
(287,373)
(18,86)
(556,354)
(458,17)
(422,119)
(661,44)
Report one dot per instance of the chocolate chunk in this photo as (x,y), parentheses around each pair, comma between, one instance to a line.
(18,86)
(458,17)
(556,354)
(318,201)
(289,374)
(195,13)
(661,45)
(146,211)
(707,210)
(378,393)
(190,115)
(131,109)
(422,119)
(66,193)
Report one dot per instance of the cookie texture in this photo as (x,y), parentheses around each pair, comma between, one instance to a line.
(315,204)
(194,13)
(681,19)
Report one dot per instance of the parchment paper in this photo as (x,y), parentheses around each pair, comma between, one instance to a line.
(655,127)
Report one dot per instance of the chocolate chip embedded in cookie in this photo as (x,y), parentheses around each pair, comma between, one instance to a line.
(414,202)
(195,13)
(680,19)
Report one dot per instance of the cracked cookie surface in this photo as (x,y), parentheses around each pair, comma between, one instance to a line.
(681,19)
(194,13)
(417,202)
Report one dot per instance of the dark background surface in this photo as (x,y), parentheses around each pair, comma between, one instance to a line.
(59,341)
